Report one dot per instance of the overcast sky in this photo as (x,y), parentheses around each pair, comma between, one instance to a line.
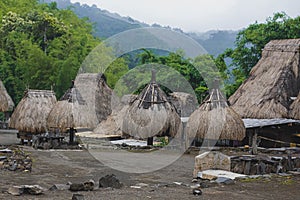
(199,15)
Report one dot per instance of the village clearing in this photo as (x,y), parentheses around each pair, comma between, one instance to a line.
(58,167)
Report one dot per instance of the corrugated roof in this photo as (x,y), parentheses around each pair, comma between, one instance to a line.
(255,123)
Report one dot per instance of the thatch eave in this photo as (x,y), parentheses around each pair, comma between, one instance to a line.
(6,102)
(267,93)
(31,113)
(214,119)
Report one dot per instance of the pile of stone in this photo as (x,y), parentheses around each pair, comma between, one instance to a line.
(14,159)
(247,164)
(263,164)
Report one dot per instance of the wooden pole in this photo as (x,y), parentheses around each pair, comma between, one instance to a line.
(150,141)
(72,133)
(254,142)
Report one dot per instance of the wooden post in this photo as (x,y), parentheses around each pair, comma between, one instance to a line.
(71,138)
(150,141)
(254,142)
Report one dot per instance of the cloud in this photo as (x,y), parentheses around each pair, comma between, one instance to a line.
(199,15)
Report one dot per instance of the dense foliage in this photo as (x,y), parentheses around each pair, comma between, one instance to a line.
(251,41)
(41,47)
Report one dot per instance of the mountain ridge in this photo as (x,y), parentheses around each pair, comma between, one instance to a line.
(107,24)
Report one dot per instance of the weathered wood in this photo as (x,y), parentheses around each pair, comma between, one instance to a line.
(150,141)
(254,143)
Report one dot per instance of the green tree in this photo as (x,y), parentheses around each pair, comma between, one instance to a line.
(251,41)
(41,46)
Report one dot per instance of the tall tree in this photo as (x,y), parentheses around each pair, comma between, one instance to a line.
(250,42)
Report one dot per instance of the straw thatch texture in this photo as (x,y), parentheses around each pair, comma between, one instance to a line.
(6,103)
(184,103)
(61,116)
(151,114)
(295,108)
(214,119)
(274,79)
(113,124)
(97,100)
(31,113)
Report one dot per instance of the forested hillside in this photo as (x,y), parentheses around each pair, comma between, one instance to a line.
(41,47)
(107,24)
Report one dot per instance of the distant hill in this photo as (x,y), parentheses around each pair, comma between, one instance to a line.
(107,24)
(215,42)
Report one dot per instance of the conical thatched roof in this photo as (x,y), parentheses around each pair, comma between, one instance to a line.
(97,96)
(85,104)
(272,81)
(61,116)
(150,114)
(6,103)
(32,111)
(214,119)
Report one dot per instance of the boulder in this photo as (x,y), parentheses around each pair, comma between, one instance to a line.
(110,181)
(77,197)
(86,186)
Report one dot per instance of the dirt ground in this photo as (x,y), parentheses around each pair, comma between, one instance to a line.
(76,166)
(62,166)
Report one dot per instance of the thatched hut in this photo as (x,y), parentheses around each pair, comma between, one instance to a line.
(97,96)
(112,126)
(272,82)
(30,116)
(6,103)
(150,114)
(61,116)
(215,120)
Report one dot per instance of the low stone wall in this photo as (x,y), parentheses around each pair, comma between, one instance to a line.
(256,165)
(248,164)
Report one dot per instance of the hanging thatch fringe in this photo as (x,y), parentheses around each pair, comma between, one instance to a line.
(6,103)
(214,119)
(32,111)
(151,114)
(274,79)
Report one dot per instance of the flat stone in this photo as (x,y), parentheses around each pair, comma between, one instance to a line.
(3,158)
(207,176)
(59,187)
(5,150)
(211,160)
(15,190)
(224,180)
(219,173)
(33,189)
